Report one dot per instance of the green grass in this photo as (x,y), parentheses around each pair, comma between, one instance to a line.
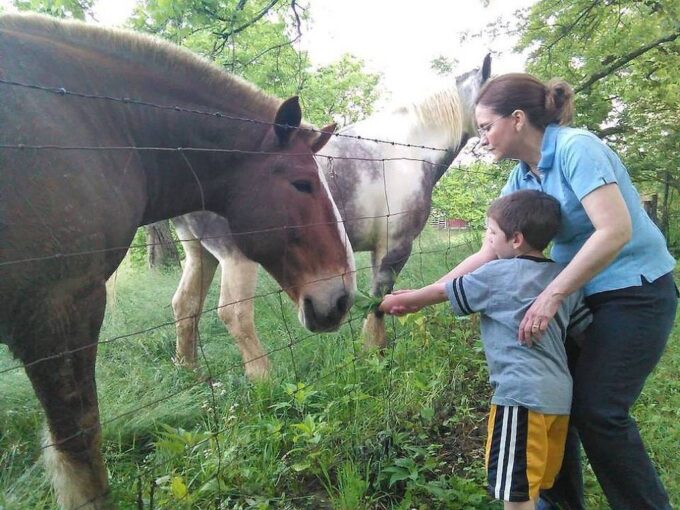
(336,427)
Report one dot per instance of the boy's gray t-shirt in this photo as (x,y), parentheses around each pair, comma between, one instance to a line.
(535,377)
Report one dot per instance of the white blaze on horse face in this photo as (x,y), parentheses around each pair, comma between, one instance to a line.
(324,285)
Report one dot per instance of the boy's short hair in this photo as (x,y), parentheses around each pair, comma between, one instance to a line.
(536,215)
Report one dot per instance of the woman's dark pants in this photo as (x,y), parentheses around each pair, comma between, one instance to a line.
(623,345)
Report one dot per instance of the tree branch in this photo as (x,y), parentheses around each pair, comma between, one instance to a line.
(226,35)
(298,22)
(608,131)
(624,59)
(264,52)
(568,29)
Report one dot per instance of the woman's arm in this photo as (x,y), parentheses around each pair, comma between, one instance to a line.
(613,229)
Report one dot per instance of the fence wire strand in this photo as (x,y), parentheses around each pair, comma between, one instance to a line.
(291,342)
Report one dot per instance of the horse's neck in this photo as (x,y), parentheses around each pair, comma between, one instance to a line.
(405,128)
(208,151)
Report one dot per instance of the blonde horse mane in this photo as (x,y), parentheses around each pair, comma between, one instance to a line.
(443,109)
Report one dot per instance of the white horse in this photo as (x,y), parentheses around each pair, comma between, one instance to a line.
(383,192)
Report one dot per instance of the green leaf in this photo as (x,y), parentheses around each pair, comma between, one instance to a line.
(178,488)
(427,413)
(366,303)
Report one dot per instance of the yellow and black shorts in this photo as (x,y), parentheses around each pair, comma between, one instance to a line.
(524,451)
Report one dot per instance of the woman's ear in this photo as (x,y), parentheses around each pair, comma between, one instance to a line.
(519,118)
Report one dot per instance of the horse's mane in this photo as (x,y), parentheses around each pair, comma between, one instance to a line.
(444,109)
(148,49)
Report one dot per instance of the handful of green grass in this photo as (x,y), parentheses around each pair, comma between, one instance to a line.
(366,303)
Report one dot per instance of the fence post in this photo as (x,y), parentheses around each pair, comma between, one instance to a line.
(650,204)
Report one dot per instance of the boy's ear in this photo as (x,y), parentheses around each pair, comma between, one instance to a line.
(517,240)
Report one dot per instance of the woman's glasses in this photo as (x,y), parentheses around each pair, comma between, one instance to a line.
(484,130)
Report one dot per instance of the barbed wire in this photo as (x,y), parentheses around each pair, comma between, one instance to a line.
(292,342)
(62,91)
(205,311)
(214,434)
(227,235)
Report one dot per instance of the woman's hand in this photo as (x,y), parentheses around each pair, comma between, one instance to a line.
(538,316)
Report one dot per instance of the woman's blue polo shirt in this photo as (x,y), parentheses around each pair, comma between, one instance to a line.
(573,163)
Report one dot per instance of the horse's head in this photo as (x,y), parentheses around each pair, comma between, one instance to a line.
(284,218)
(469,85)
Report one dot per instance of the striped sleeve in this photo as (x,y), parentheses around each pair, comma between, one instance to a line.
(469,293)
(580,317)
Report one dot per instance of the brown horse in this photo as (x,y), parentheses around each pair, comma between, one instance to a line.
(80,171)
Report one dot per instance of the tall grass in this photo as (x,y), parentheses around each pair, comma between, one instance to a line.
(335,428)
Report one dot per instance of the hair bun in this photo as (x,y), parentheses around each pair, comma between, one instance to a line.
(559,102)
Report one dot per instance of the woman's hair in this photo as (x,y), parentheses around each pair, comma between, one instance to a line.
(552,102)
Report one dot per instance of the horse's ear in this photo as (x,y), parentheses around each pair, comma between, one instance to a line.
(323,137)
(287,119)
(486,67)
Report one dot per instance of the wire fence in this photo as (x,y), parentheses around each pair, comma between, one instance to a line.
(292,339)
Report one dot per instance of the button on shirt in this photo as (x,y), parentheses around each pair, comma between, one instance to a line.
(573,163)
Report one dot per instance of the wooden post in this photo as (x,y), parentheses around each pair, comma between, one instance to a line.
(161,248)
(650,204)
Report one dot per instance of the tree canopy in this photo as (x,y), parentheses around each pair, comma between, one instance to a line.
(77,9)
(259,40)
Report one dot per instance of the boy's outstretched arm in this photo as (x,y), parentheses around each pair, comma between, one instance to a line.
(474,261)
(411,301)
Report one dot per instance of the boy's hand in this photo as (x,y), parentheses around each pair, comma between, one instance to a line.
(396,304)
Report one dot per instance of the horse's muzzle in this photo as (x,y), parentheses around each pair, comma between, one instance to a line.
(320,317)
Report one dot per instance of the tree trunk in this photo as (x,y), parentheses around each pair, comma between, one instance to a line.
(160,246)
(664,209)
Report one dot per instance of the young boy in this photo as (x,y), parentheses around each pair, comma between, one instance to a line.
(532,385)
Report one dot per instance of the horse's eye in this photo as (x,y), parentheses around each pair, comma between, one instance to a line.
(303,186)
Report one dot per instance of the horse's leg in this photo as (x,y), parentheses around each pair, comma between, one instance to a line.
(237,289)
(384,275)
(60,363)
(187,303)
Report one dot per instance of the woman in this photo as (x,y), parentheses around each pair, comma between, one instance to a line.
(614,251)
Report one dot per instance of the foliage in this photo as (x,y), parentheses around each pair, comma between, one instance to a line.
(365,303)
(342,91)
(336,427)
(465,192)
(622,58)
(256,40)
(77,9)
(444,65)
(250,39)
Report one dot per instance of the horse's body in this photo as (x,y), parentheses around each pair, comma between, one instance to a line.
(383,191)
(68,215)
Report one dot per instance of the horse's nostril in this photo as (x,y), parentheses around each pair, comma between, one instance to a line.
(307,303)
(342,304)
